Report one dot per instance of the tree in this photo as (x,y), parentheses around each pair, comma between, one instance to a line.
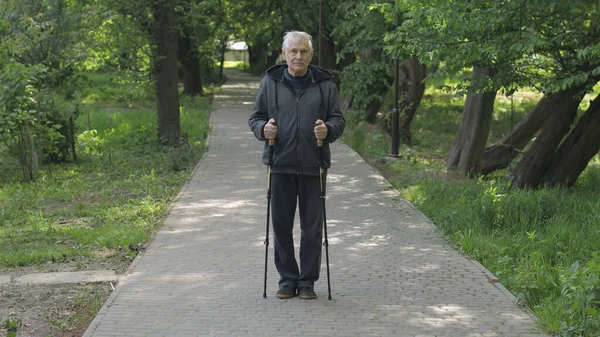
(475,125)
(164,68)
(412,76)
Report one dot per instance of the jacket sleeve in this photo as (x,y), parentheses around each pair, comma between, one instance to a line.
(260,112)
(335,119)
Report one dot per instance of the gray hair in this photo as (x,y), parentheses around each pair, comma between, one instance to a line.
(295,36)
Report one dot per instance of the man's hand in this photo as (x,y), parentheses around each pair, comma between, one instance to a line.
(270,129)
(320,130)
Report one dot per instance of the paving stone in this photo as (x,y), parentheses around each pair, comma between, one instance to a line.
(69,277)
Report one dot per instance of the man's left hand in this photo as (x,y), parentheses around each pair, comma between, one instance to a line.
(320,130)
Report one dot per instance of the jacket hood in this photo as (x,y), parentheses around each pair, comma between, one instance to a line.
(318,74)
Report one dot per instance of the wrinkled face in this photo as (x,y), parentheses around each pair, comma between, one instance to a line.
(297,57)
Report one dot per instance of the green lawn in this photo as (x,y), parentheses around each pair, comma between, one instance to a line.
(115,195)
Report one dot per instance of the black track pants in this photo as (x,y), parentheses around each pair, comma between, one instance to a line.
(289,190)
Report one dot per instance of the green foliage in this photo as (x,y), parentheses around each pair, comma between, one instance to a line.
(44,44)
(360,32)
(19,114)
(547,45)
(119,45)
(18,96)
(362,26)
(56,139)
(11,326)
(112,199)
(580,290)
(131,87)
(366,81)
(55,33)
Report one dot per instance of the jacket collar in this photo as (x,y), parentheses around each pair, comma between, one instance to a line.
(318,74)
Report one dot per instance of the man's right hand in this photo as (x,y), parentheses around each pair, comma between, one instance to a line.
(270,129)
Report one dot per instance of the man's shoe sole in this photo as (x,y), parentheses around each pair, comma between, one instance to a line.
(308,297)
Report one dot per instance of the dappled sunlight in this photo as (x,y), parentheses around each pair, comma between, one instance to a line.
(375,241)
(421,269)
(224,204)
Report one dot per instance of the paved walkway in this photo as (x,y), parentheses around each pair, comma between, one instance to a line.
(391,273)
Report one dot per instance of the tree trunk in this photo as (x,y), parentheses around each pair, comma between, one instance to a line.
(327,53)
(580,146)
(187,54)
(532,167)
(346,102)
(500,154)
(271,58)
(72,140)
(474,127)
(34,162)
(30,160)
(165,71)
(223,50)
(255,56)
(372,108)
(412,88)
(371,111)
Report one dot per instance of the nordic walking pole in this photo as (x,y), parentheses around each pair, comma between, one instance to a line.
(266,242)
(325,242)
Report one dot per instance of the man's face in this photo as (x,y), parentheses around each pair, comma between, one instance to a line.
(297,57)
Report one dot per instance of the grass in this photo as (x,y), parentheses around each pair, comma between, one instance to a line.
(86,305)
(241,65)
(118,192)
(542,244)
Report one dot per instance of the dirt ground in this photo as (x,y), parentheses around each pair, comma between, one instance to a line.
(50,309)
(56,310)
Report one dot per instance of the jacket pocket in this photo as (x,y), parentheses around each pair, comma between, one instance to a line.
(310,152)
(285,153)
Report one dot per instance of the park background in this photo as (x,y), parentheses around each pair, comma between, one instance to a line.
(105,109)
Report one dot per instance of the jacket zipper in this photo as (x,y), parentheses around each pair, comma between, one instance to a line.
(298,134)
(298,123)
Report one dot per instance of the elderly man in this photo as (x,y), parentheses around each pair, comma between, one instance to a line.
(297,104)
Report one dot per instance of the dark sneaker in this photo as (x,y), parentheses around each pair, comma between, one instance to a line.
(286,291)
(307,293)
